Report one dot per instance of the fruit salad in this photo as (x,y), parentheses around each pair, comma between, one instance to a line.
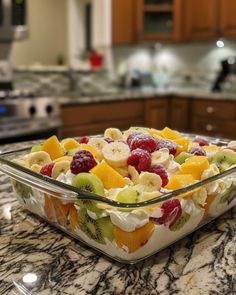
(142,171)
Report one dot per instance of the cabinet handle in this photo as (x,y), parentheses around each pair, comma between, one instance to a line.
(209,127)
(210,110)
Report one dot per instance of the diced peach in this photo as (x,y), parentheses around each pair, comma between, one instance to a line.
(170,134)
(180,181)
(61,211)
(73,216)
(70,143)
(135,239)
(110,177)
(64,158)
(209,201)
(53,147)
(195,166)
(49,208)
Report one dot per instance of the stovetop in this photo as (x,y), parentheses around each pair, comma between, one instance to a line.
(14,94)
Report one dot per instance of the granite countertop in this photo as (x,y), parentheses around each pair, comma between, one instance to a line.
(72,98)
(30,249)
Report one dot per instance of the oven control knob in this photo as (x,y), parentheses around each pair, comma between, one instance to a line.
(32,110)
(49,109)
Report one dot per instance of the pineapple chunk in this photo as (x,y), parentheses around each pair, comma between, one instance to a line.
(195,166)
(183,144)
(53,147)
(110,177)
(170,134)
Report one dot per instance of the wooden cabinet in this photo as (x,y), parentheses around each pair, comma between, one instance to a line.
(123,22)
(214,118)
(228,18)
(209,19)
(179,114)
(156,113)
(200,19)
(95,118)
(159,20)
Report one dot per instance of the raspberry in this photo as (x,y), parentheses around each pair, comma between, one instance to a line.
(161,171)
(197,151)
(169,144)
(131,137)
(140,159)
(171,210)
(144,142)
(108,139)
(201,141)
(82,161)
(84,139)
(47,169)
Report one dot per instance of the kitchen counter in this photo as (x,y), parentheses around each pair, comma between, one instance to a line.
(202,263)
(71,98)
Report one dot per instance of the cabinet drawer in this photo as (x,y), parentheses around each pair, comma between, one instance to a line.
(214,127)
(214,109)
(102,112)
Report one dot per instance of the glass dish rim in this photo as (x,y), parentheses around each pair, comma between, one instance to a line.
(84,195)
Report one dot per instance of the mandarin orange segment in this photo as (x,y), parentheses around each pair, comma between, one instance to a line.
(195,165)
(135,239)
(170,134)
(53,147)
(209,201)
(70,143)
(49,208)
(73,217)
(61,211)
(109,176)
(180,181)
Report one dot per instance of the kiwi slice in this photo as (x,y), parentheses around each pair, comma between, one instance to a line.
(89,182)
(22,190)
(96,229)
(182,157)
(229,195)
(128,195)
(36,148)
(180,222)
(224,159)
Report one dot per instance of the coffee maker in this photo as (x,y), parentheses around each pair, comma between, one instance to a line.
(228,70)
(13,26)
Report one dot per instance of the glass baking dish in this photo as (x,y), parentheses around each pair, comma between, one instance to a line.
(90,218)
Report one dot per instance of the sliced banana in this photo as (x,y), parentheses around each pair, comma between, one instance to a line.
(151,180)
(133,174)
(21,162)
(161,157)
(98,144)
(123,171)
(232,144)
(36,168)
(41,158)
(116,154)
(113,133)
(60,167)
(145,196)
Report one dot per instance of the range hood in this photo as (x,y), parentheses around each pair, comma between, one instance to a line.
(13,20)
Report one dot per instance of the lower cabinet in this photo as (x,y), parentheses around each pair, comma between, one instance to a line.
(95,118)
(180,114)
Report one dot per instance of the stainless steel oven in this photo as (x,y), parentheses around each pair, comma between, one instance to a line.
(13,20)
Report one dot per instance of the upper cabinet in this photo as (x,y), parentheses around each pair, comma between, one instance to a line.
(209,19)
(228,18)
(123,22)
(159,20)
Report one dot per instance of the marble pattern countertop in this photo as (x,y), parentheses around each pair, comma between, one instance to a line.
(202,263)
(72,98)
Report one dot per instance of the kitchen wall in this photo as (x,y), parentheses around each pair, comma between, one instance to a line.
(47,34)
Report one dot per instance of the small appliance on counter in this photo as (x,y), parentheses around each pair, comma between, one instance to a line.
(227,76)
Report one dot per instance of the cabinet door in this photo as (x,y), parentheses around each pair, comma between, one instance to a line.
(159,20)
(228,18)
(123,22)
(179,114)
(156,113)
(201,19)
